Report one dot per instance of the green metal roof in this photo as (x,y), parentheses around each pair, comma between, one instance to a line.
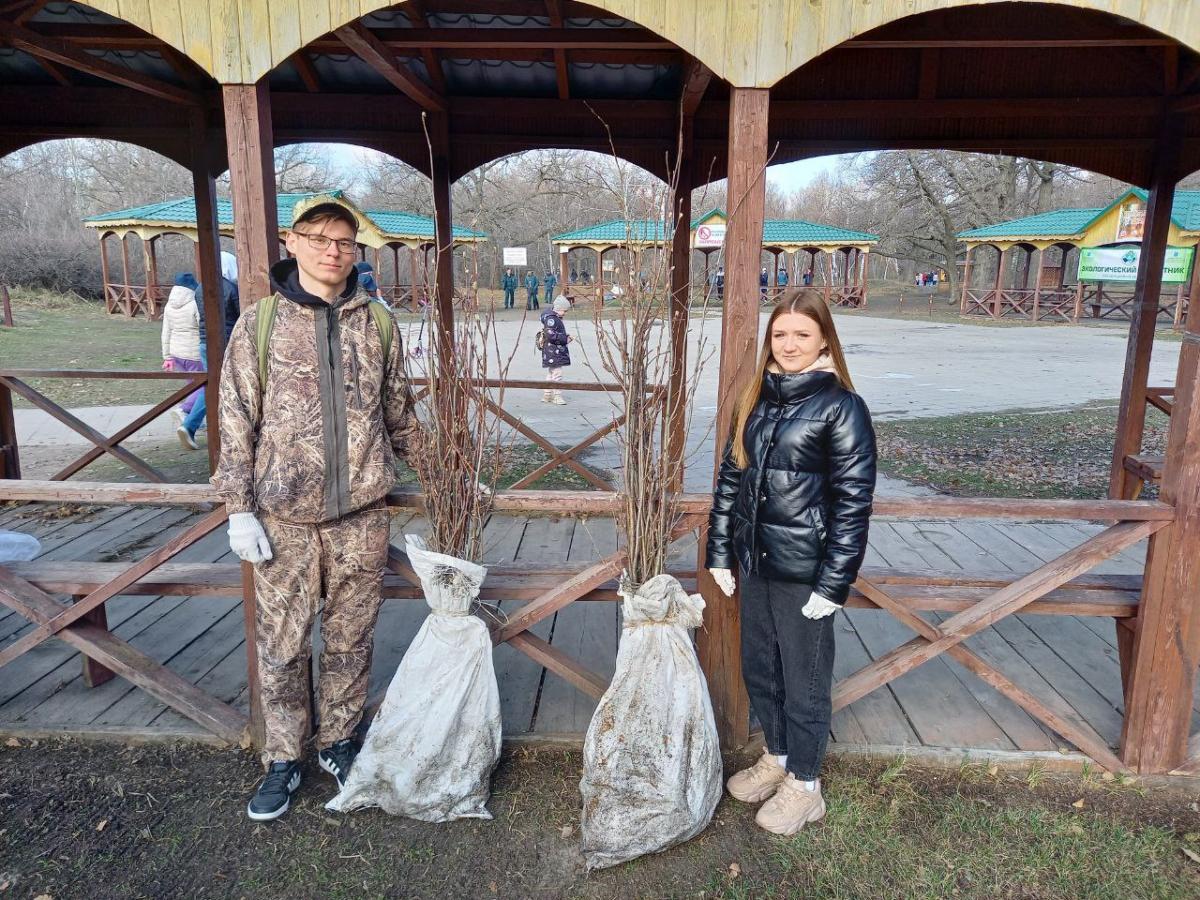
(798,231)
(617,231)
(412,225)
(183,212)
(1185,213)
(775,231)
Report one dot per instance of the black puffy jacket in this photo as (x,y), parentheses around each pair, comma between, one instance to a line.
(799,510)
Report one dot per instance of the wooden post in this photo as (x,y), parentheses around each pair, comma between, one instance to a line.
(151,267)
(1037,284)
(248,135)
(1131,415)
(564,270)
(104,276)
(999,290)
(599,282)
(10,457)
(1189,298)
(6,316)
(718,644)
(126,296)
(208,260)
(829,280)
(866,261)
(681,283)
(1162,667)
(966,280)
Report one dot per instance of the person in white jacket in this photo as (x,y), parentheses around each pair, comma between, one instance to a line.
(181,334)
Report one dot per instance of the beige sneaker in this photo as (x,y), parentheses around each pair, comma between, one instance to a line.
(557,399)
(791,808)
(757,782)
(547,397)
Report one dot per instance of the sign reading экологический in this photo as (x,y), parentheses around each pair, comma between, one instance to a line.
(1121,264)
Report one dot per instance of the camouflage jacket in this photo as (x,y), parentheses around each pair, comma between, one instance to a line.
(321,439)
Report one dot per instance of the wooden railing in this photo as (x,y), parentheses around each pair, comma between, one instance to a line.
(132,299)
(1059,587)
(12,381)
(1066,304)
(568,458)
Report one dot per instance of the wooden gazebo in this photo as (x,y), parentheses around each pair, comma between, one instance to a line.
(1098,246)
(692,91)
(843,284)
(378,230)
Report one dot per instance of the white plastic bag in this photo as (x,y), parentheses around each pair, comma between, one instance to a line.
(18,547)
(430,752)
(651,758)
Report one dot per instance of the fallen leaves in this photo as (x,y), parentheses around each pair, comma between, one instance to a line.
(733,871)
(1078,804)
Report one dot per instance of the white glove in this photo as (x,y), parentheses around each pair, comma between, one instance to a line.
(818,607)
(247,538)
(724,580)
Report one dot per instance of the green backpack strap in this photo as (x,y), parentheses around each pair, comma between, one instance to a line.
(266,322)
(383,323)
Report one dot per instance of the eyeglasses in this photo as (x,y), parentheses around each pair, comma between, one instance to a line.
(321,242)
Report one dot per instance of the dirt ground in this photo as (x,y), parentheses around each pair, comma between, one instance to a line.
(104,820)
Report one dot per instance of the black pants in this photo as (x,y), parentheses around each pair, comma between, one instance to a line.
(787,662)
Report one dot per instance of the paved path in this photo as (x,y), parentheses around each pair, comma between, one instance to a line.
(903,368)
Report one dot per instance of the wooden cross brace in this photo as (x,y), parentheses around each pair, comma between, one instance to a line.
(117,655)
(563,458)
(103,444)
(931,640)
(64,616)
(1065,722)
(515,630)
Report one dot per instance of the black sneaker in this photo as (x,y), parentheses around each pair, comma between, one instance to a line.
(274,795)
(338,758)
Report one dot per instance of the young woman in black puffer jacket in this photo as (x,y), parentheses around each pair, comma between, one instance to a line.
(790,514)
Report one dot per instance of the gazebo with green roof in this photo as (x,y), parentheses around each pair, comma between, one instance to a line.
(378,229)
(781,237)
(1102,242)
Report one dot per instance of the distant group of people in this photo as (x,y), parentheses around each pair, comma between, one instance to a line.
(926,279)
(510,282)
(716,280)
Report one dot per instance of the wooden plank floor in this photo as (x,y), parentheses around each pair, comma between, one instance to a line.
(1070,662)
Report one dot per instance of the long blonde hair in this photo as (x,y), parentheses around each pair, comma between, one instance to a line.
(806,303)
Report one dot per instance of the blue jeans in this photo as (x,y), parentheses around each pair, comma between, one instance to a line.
(195,419)
(787,663)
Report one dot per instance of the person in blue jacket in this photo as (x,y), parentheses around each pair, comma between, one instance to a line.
(509,283)
(783,277)
(548,284)
(531,292)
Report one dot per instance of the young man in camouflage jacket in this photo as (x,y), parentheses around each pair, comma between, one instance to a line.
(306,460)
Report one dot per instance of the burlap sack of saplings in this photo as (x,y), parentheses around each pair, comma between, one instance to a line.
(651,758)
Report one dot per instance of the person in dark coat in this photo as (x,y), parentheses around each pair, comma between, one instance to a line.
(509,283)
(720,282)
(548,284)
(555,353)
(531,292)
(790,513)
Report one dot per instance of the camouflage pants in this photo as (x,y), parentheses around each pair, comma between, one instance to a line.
(342,561)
